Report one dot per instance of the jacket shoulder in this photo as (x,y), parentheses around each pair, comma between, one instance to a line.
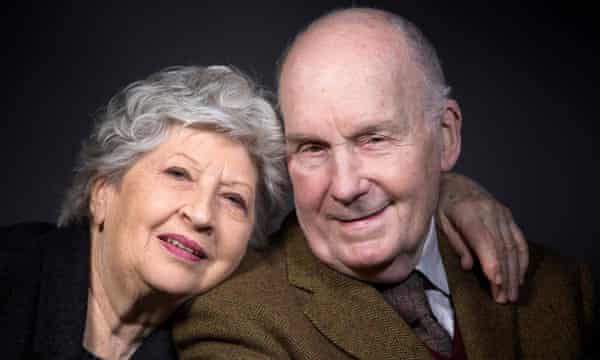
(256,314)
(262,274)
(20,274)
(260,277)
(556,304)
(21,247)
(551,273)
(23,236)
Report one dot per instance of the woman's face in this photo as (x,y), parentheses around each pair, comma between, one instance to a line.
(181,218)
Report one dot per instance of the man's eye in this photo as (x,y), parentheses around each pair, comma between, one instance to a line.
(311,154)
(178,173)
(371,140)
(310,148)
(376,139)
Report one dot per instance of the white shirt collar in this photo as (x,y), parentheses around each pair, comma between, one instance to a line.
(430,262)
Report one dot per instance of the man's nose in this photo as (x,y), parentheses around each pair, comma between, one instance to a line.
(347,184)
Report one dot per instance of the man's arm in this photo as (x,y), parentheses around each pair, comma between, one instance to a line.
(473,219)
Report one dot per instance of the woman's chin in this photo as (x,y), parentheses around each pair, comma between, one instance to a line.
(173,282)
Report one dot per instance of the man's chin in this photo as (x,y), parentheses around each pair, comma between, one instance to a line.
(366,270)
(378,269)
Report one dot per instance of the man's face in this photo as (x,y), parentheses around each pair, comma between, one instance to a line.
(364,164)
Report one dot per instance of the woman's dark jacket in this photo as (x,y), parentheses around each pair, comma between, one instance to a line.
(44,280)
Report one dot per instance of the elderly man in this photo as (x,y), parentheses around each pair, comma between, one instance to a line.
(364,273)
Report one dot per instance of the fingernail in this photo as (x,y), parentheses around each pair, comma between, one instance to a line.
(498,279)
(501,298)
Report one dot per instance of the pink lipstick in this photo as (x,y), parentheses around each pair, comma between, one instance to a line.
(182,247)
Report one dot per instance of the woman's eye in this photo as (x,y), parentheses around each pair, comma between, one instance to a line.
(237,200)
(178,173)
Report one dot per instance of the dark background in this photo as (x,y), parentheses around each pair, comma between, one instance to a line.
(525,75)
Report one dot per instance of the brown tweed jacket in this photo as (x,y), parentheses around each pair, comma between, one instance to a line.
(285,304)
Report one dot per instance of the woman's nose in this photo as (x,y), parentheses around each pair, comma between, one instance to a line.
(200,213)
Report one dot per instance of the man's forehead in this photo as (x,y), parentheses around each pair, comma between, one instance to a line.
(352,100)
(343,51)
(347,68)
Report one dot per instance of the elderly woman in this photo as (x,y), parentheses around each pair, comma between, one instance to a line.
(182,170)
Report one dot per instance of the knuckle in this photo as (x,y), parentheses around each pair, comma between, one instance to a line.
(510,247)
(501,250)
(489,210)
(495,267)
(522,243)
(507,212)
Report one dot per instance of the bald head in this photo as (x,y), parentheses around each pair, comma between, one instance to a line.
(345,37)
(364,28)
(370,31)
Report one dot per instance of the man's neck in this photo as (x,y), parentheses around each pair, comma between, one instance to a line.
(430,262)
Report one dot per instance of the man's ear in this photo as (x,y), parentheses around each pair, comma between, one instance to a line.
(450,135)
(99,201)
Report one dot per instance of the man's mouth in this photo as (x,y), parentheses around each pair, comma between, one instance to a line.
(364,216)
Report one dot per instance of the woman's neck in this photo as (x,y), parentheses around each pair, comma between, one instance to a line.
(121,311)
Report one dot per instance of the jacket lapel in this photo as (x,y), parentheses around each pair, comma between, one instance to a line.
(487,328)
(350,313)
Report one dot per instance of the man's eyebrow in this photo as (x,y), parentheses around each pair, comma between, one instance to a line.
(299,138)
(394,126)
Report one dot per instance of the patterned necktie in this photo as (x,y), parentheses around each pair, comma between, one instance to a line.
(408,299)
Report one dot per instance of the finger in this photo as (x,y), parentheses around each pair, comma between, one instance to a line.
(492,225)
(483,235)
(483,243)
(498,294)
(466,260)
(499,290)
(512,259)
(501,253)
(522,250)
(505,286)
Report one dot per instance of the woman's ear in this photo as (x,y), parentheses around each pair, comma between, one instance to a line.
(451,142)
(99,201)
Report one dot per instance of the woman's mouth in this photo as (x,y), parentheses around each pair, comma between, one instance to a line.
(182,247)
